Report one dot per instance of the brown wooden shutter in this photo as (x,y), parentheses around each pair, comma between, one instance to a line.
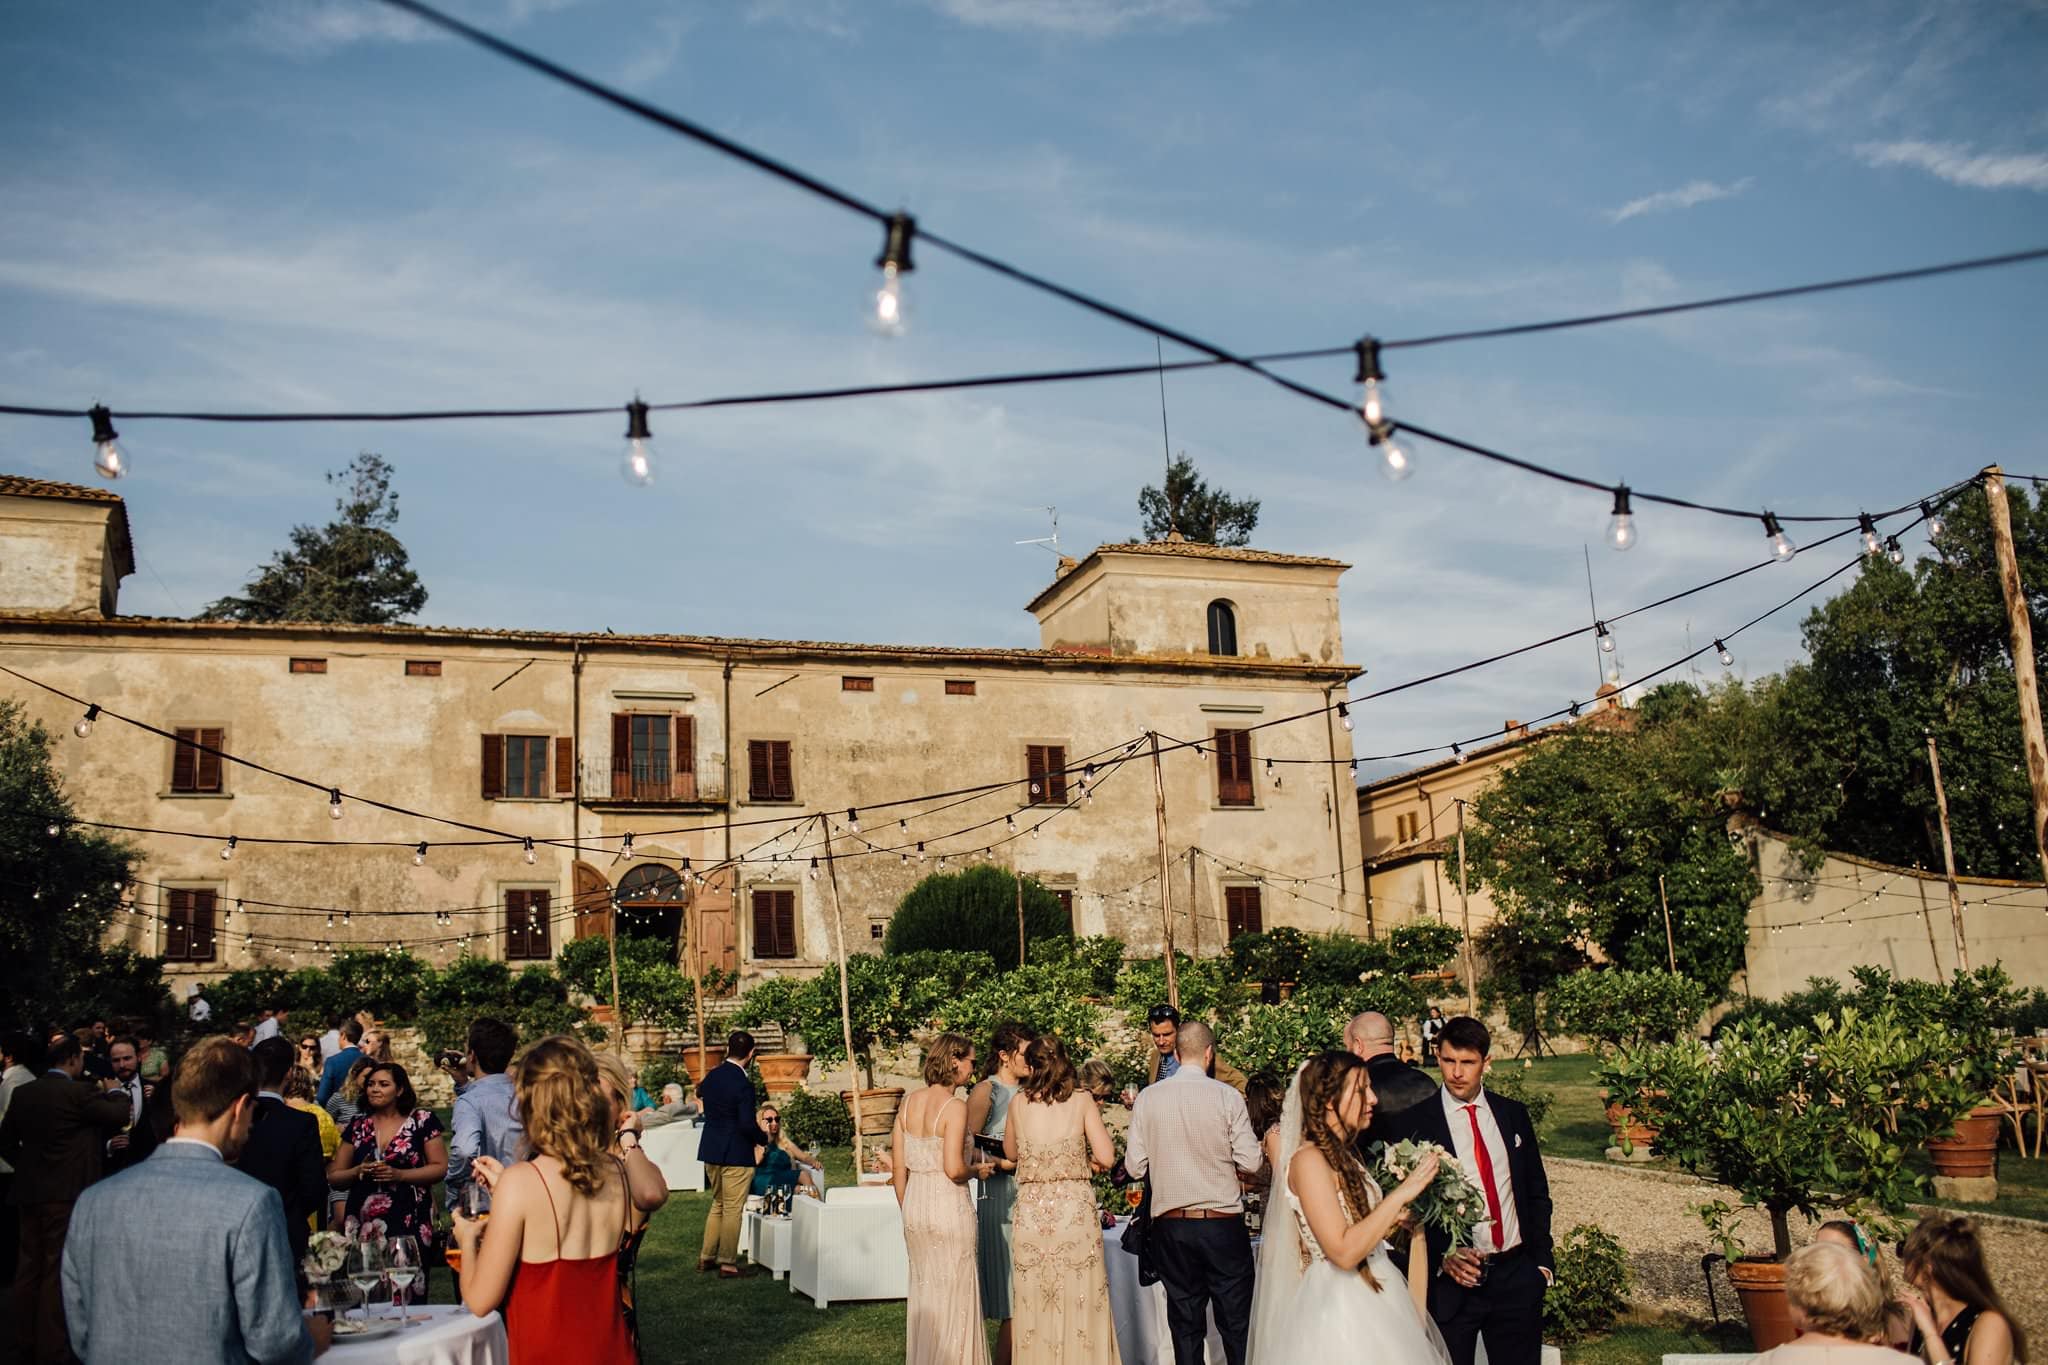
(785,924)
(774,924)
(565,766)
(1045,767)
(764,923)
(622,755)
(199,938)
(1234,768)
(1242,911)
(781,780)
(758,782)
(683,779)
(177,916)
(185,762)
(493,767)
(1034,774)
(515,924)
(537,929)
(209,763)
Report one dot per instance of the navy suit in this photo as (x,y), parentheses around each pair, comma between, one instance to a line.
(1507,1307)
(726,1147)
(283,1151)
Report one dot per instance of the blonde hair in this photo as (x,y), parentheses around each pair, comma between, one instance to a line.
(564,1110)
(1834,1290)
(611,1071)
(1096,1078)
(946,1052)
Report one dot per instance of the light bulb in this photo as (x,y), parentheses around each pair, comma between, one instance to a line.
(888,310)
(1871,544)
(419,855)
(1457,754)
(227,850)
(626,847)
(922,856)
(531,856)
(1721,650)
(1034,831)
(1621,528)
(1395,461)
(1894,551)
(1010,823)
(54,829)
(1344,716)
(1606,640)
(1933,520)
(1372,394)
(1781,544)
(853,820)
(107,458)
(637,469)
(814,869)
(84,725)
(1372,402)
(334,803)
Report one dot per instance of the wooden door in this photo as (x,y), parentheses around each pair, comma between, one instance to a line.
(593,901)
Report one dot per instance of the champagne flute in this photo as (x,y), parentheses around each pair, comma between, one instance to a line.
(402,1267)
(365,1269)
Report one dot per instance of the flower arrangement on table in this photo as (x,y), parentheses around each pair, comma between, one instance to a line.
(325,1252)
(1452,1202)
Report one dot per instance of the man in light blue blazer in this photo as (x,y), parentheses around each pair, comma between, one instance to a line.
(184,1257)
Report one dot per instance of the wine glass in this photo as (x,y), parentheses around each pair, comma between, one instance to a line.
(402,1267)
(365,1266)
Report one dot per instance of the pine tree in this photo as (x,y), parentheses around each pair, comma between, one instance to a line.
(1205,515)
(352,570)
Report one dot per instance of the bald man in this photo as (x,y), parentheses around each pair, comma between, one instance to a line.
(1395,1084)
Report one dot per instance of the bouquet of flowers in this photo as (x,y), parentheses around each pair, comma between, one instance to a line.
(325,1252)
(1452,1202)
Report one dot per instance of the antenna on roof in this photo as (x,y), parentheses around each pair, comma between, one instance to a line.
(1051,542)
(1165,437)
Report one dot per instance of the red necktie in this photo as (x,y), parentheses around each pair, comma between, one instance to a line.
(1485,1160)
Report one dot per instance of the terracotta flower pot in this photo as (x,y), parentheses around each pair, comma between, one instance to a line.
(783,1072)
(1760,1283)
(877,1109)
(1629,1131)
(713,1055)
(1973,1151)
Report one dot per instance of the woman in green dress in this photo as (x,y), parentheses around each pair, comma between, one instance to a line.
(988,1107)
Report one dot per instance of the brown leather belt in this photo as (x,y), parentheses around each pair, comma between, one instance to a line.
(1196,1213)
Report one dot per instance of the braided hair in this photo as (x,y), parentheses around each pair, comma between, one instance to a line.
(1323,1081)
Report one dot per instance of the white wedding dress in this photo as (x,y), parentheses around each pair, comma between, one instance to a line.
(1306,1309)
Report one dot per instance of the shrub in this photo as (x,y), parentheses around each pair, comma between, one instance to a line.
(1610,1008)
(814,1120)
(1591,1287)
(770,1002)
(651,989)
(1049,998)
(238,996)
(387,983)
(1278,1038)
(125,988)
(974,910)
(657,1072)
(1342,959)
(1513,1082)
(1276,955)
(1413,949)
(1206,990)
(1101,956)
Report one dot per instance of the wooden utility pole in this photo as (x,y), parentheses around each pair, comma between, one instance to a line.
(1017,875)
(845,1002)
(611,943)
(695,919)
(2021,629)
(1194,906)
(1948,858)
(1465,909)
(1165,886)
(1670,947)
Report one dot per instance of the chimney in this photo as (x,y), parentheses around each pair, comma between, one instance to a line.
(1063,568)
(1514,729)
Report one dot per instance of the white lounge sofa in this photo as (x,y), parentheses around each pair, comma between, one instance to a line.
(849,1245)
(673,1148)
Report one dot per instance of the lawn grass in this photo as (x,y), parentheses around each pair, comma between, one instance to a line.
(1636,1340)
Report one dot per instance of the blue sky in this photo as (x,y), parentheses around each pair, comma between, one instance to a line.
(308,203)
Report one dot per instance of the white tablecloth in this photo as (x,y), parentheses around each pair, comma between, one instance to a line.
(451,1335)
(1142,1337)
(673,1148)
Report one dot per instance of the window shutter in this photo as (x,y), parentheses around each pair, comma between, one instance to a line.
(515,924)
(622,755)
(781,780)
(683,782)
(184,762)
(565,766)
(1242,911)
(177,917)
(1034,773)
(209,764)
(785,924)
(537,925)
(199,938)
(758,783)
(1234,768)
(764,923)
(493,767)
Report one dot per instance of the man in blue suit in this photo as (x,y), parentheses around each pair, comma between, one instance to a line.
(335,1070)
(726,1147)
(183,1253)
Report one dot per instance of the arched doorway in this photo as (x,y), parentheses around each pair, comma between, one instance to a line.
(652,900)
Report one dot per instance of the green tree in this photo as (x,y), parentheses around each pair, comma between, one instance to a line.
(974,911)
(1205,515)
(352,570)
(60,886)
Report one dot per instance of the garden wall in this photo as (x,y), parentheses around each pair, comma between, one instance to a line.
(1852,913)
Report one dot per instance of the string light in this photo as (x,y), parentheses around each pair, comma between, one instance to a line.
(1868,528)
(227,850)
(1010,823)
(637,469)
(531,857)
(1087,776)
(1721,650)
(813,873)
(1893,551)
(1606,639)
(1457,754)
(419,854)
(921,855)
(1621,528)
(1272,772)
(626,846)
(1781,544)
(107,458)
(83,726)
(1371,396)
(54,829)
(890,312)
(334,803)
(1934,522)
(1343,718)
(853,820)
(1395,461)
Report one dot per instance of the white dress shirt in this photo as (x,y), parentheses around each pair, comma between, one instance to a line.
(330,1043)
(1192,1135)
(1486,1237)
(266,1029)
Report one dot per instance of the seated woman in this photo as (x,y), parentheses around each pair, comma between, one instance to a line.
(1838,1308)
(781,1164)
(1957,1313)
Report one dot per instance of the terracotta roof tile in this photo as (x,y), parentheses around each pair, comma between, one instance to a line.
(1188,549)
(21,486)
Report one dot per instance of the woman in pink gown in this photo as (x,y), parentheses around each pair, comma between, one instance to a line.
(929,1165)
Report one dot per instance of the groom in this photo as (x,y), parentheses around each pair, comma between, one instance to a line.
(1496,1290)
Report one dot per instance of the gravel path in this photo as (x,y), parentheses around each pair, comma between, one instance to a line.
(1650,1213)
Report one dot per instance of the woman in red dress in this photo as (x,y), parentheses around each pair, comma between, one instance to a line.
(556,1221)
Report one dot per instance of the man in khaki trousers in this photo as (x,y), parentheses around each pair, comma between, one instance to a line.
(726,1148)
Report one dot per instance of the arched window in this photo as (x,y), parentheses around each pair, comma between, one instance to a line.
(1222,629)
(651,882)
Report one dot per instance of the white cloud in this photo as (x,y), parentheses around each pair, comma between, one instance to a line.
(656,53)
(315,27)
(1955,163)
(1081,18)
(1684,197)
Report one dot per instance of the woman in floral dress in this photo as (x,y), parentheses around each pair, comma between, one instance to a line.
(390,1158)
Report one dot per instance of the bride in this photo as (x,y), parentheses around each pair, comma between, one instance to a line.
(1326,1287)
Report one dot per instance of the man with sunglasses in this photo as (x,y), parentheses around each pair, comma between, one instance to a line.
(1162,1024)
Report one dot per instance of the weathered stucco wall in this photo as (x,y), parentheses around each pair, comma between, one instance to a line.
(55,556)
